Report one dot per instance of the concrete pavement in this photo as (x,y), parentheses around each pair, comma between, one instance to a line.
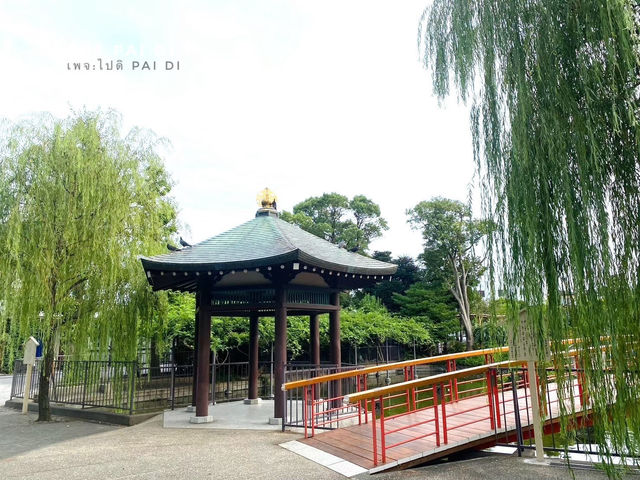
(73,449)
(5,388)
(79,450)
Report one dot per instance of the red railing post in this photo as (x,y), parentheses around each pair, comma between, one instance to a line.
(449,369)
(374,435)
(382,439)
(455,380)
(305,411)
(444,417)
(358,389)
(581,389)
(490,395)
(407,395)
(435,411)
(496,397)
(313,410)
(366,415)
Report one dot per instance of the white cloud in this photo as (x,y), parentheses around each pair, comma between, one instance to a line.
(303,97)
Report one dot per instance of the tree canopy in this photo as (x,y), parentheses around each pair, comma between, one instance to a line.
(352,223)
(553,88)
(450,236)
(79,202)
(407,274)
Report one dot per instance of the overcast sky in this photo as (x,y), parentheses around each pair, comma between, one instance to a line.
(304,97)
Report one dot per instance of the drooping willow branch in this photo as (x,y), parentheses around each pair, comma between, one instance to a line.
(553,90)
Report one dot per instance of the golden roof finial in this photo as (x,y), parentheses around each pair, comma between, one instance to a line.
(267,199)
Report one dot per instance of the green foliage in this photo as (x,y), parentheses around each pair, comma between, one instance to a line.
(78,203)
(450,236)
(228,333)
(407,274)
(181,318)
(553,87)
(432,305)
(371,324)
(490,333)
(337,219)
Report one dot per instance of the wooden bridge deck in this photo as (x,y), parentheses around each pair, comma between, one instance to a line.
(464,430)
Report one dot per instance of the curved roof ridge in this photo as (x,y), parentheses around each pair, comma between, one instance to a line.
(262,241)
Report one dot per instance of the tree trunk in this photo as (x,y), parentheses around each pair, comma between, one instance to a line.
(469,333)
(46,367)
(459,291)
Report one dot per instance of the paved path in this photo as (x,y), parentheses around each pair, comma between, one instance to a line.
(79,450)
(5,388)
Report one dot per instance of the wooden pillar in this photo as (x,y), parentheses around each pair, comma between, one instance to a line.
(195,352)
(280,354)
(334,344)
(254,353)
(314,339)
(204,352)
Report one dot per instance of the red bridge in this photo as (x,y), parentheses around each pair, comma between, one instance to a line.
(422,419)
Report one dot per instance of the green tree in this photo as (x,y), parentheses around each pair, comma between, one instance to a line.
(337,219)
(180,324)
(435,306)
(407,274)
(450,236)
(78,204)
(553,87)
(371,324)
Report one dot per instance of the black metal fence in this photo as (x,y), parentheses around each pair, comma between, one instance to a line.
(135,388)
(294,399)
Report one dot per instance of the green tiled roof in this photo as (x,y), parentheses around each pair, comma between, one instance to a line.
(262,241)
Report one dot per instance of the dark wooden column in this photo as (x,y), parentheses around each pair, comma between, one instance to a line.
(204,351)
(280,354)
(254,352)
(195,352)
(314,339)
(334,343)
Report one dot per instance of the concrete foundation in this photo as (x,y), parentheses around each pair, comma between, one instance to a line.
(205,419)
(275,421)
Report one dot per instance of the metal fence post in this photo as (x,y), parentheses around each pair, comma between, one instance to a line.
(13,379)
(516,413)
(84,384)
(173,384)
(132,385)
(213,379)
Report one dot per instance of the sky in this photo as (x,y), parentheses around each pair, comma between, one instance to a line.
(303,97)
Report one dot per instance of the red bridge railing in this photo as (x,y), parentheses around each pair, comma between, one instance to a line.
(503,401)
(319,402)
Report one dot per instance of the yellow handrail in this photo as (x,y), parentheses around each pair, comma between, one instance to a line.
(392,366)
(425,382)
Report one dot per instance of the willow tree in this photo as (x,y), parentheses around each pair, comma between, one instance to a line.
(553,91)
(79,202)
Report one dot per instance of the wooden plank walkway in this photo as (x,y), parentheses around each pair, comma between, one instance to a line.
(468,426)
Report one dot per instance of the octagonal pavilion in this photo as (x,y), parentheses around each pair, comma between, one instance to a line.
(264,267)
